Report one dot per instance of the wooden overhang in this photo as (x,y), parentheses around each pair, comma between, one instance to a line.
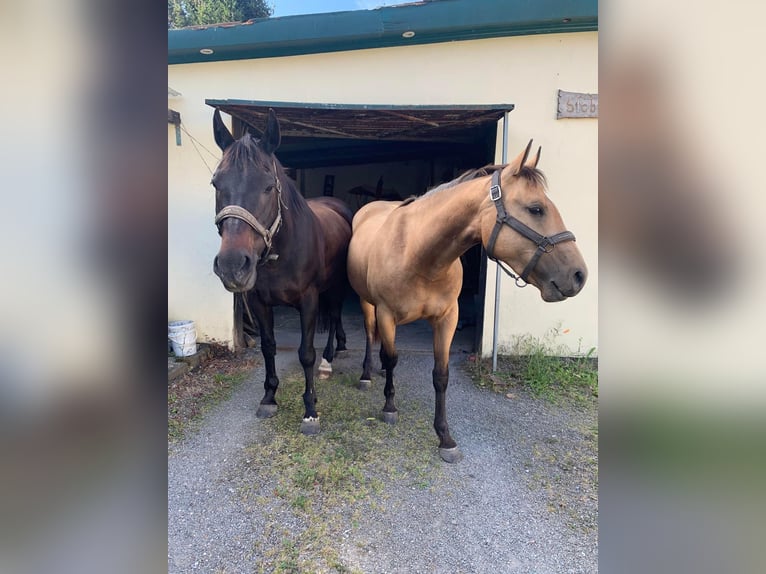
(356,132)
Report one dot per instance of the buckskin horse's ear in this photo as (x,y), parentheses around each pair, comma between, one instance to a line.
(516,165)
(271,136)
(221,133)
(533,159)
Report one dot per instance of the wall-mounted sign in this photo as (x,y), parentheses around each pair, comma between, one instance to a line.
(577,105)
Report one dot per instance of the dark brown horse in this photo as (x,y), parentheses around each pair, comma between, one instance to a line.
(416,272)
(279,249)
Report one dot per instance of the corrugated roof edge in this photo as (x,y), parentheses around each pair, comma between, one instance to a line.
(434,21)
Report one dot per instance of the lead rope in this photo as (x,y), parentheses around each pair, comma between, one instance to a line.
(247,308)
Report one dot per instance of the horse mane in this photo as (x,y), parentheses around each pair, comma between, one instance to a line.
(467,176)
(531,174)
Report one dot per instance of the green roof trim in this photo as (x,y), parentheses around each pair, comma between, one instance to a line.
(432,21)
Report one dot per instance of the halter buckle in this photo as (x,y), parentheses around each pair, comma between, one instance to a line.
(546,245)
(495,192)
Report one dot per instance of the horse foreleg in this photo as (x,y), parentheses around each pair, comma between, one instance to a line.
(389,357)
(264,316)
(444,331)
(370,328)
(307,356)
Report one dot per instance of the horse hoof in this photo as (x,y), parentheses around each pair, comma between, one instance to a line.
(266,411)
(451,455)
(325,370)
(390,418)
(365,384)
(310,426)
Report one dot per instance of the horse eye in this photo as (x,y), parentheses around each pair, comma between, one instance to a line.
(535,210)
(269,188)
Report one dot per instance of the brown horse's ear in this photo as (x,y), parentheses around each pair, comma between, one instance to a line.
(221,133)
(533,160)
(516,165)
(271,136)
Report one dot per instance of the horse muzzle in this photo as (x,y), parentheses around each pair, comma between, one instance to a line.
(236,270)
(561,288)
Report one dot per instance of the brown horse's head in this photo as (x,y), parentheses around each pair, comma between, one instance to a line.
(539,250)
(247,202)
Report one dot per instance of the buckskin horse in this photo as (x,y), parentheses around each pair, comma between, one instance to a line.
(416,272)
(279,249)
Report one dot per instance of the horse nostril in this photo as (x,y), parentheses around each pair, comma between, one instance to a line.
(215,264)
(246,263)
(579,278)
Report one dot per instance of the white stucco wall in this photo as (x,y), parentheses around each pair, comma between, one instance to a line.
(525,71)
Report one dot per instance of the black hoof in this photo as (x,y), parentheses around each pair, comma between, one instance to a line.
(266,411)
(310,426)
(365,384)
(390,418)
(451,455)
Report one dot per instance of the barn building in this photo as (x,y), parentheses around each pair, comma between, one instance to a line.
(388,103)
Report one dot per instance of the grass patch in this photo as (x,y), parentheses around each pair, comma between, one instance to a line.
(323,481)
(542,367)
(192,395)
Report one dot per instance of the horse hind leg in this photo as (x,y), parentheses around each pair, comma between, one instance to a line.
(334,305)
(389,356)
(370,330)
(340,335)
(325,365)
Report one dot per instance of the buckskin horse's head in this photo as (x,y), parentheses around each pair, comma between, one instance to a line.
(522,227)
(247,202)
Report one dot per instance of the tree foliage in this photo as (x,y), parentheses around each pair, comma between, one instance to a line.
(202,12)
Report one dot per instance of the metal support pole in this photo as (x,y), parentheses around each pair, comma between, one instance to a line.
(498,275)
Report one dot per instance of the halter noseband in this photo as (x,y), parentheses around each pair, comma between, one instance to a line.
(544,244)
(238,212)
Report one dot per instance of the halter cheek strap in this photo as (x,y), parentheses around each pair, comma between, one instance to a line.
(239,212)
(544,244)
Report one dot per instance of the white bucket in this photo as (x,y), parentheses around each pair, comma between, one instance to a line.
(183,336)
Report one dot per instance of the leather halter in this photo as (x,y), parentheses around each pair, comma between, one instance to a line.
(544,244)
(239,212)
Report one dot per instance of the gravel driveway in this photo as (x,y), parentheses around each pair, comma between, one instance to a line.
(522,500)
